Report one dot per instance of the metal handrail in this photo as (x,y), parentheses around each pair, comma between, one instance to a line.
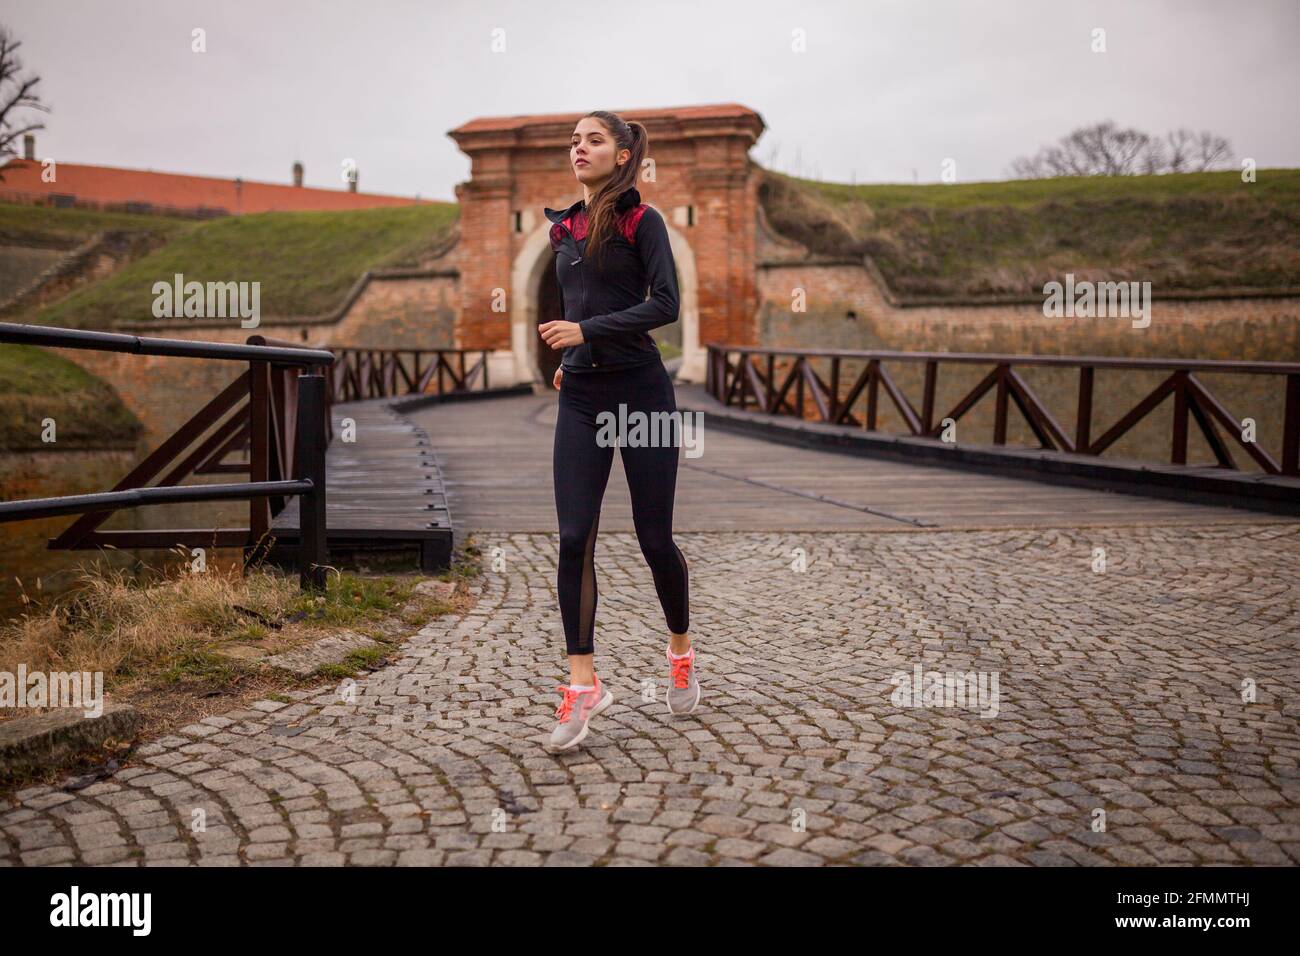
(262,423)
(52,337)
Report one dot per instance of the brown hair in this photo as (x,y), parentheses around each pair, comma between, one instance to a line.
(601,214)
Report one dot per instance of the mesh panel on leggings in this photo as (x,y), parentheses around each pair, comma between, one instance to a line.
(686,591)
(587,614)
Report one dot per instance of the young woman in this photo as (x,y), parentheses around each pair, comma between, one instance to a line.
(609,249)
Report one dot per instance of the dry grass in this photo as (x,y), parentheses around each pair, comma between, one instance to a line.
(169,636)
(121,624)
(159,639)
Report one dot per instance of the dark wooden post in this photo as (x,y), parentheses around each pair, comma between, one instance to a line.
(1178,451)
(1291,427)
(835,390)
(1000,407)
(798,385)
(770,390)
(873,393)
(259,448)
(309,462)
(1083,423)
(927,397)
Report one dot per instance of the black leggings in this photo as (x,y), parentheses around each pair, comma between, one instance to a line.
(581,465)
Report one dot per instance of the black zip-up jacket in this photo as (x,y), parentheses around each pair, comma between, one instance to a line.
(608,300)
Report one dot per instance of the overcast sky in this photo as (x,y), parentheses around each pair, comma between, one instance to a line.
(885,92)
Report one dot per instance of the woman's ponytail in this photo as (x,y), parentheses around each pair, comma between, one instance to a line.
(601,213)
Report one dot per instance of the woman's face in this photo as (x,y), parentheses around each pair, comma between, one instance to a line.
(593,154)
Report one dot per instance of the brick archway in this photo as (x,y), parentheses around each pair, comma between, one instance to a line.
(700,178)
(533,268)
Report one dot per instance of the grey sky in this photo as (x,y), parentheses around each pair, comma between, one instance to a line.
(886,91)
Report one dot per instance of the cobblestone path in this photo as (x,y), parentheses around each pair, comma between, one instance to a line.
(1118,733)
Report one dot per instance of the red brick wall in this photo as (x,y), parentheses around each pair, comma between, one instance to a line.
(486,253)
(700,160)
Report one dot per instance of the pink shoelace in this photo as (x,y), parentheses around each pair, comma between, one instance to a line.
(565,710)
(681,670)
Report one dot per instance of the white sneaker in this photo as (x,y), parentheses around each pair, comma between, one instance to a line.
(576,709)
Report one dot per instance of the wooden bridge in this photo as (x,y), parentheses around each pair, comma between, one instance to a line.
(785,456)
(403,450)
(385,489)
(334,468)
(497,470)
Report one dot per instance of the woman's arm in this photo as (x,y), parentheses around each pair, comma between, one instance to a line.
(661,273)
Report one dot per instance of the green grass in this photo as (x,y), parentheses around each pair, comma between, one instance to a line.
(198,665)
(350,598)
(363,658)
(36,384)
(305,261)
(21,224)
(1276,185)
(1190,232)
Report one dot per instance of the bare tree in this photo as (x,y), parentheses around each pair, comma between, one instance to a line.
(1105,149)
(1029,167)
(1181,143)
(1211,151)
(1155,158)
(17,92)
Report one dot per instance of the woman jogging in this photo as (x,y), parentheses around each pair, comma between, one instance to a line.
(609,249)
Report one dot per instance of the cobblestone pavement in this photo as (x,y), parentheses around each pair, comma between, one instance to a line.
(1119,692)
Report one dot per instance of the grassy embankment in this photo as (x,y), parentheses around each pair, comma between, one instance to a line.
(1193,232)
(305,262)
(1197,233)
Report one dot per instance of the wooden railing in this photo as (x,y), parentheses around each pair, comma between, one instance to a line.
(741,375)
(277,409)
(362,373)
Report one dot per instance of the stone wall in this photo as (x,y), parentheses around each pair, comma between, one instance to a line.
(402,312)
(848,306)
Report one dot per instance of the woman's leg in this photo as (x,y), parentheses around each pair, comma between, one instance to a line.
(580,472)
(652,480)
(651,470)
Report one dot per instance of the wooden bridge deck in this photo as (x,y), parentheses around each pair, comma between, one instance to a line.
(384,491)
(496,460)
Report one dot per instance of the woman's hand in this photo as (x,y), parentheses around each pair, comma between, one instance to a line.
(560,334)
(559,374)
